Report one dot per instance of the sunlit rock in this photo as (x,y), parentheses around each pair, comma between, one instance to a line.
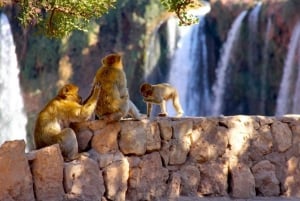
(214,175)
(242,181)
(165,126)
(174,187)
(15,176)
(133,138)
(190,178)
(211,144)
(282,135)
(107,159)
(116,176)
(240,130)
(266,181)
(83,180)
(261,143)
(148,180)
(153,137)
(292,180)
(47,171)
(105,140)
(181,142)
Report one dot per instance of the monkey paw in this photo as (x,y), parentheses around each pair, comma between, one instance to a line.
(162,114)
(179,114)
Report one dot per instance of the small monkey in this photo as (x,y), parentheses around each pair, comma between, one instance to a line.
(52,123)
(159,94)
(115,102)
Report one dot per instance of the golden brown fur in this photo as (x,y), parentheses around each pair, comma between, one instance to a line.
(159,94)
(115,102)
(52,123)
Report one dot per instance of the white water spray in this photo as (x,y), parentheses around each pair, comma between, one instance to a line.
(181,66)
(219,86)
(183,63)
(284,101)
(12,118)
(253,28)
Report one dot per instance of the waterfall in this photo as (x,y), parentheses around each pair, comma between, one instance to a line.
(198,99)
(219,86)
(265,67)
(284,100)
(183,66)
(253,29)
(12,117)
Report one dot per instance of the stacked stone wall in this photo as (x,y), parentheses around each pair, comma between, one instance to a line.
(163,158)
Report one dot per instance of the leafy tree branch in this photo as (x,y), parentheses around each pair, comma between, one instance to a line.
(57,18)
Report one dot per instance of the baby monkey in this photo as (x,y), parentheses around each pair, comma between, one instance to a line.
(159,94)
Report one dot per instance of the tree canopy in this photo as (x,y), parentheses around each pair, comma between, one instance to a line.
(57,18)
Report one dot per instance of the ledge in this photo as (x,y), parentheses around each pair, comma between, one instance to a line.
(163,158)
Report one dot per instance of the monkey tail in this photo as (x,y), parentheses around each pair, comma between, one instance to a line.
(134,111)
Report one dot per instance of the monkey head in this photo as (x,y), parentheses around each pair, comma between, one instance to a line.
(146,90)
(69,92)
(114,60)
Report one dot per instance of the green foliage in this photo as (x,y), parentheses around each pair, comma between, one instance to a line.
(57,18)
(181,8)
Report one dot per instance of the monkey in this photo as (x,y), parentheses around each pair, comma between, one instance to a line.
(115,103)
(52,123)
(159,94)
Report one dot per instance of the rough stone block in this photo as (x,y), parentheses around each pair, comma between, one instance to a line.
(282,135)
(116,176)
(15,176)
(148,179)
(242,181)
(266,181)
(180,145)
(106,140)
(83,180)
(214,176)
(133,138)
(47,171)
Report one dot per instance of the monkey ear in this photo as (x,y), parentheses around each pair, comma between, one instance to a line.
(103,60)
(63,91)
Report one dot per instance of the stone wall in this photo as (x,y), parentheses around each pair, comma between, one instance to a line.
(234,156)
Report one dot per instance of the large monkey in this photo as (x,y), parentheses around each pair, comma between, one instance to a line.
(115,102)
(159,94)
(52,124)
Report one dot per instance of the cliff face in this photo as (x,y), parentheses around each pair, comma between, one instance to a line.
(161,159)
(257,60)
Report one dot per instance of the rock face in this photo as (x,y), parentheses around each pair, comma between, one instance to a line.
(15,177)
(47,172)
(165,158)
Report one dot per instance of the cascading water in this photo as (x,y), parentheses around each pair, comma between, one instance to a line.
(265,67)
(199,104)
(253,28)
(219,86)
(286,91)
(183,67)
(12,117)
